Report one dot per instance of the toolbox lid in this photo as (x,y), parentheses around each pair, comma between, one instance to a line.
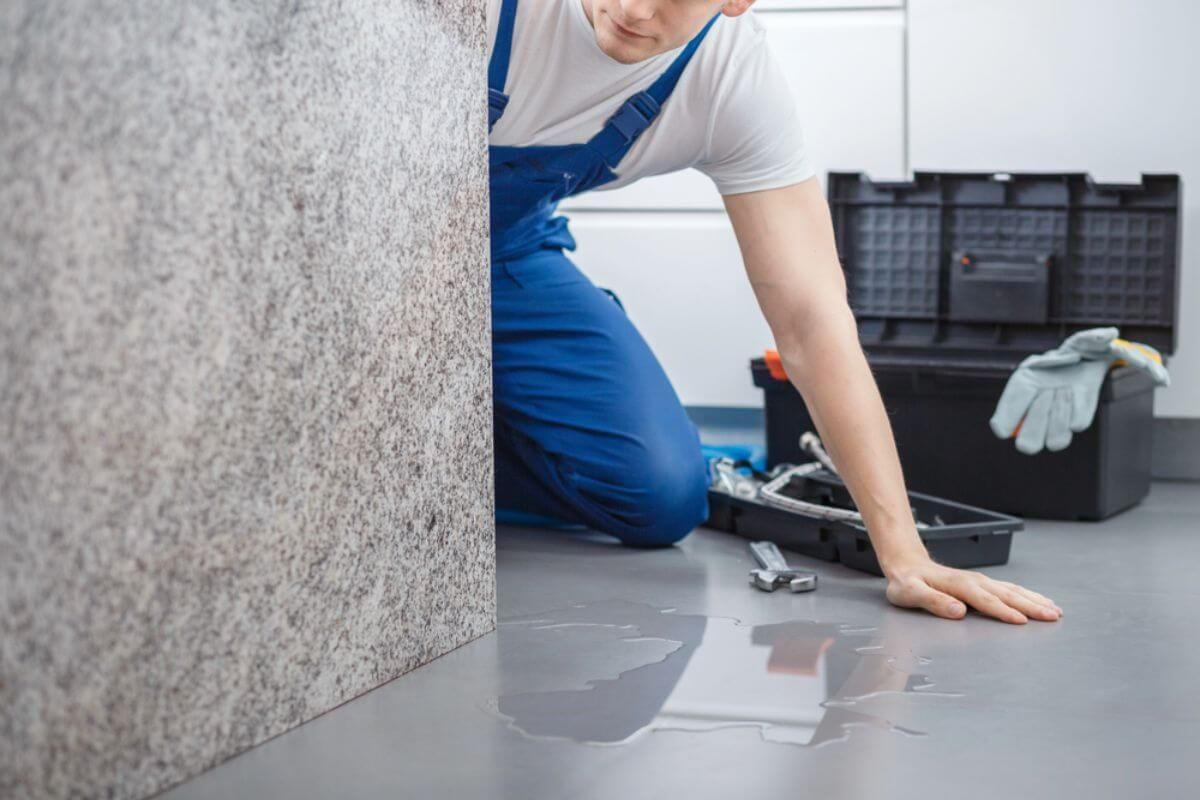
(995,266)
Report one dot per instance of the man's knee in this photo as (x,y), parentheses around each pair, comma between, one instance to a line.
(673,501)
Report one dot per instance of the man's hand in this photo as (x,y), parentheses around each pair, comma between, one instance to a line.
(946,592)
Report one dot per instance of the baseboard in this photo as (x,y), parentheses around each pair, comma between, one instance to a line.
(1176,449)
(1176,439)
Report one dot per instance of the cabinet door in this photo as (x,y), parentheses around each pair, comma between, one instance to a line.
(1075,85)
(681,280)
(847,72)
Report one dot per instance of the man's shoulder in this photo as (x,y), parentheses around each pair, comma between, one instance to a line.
(738,38)
(738,47)
(736,57)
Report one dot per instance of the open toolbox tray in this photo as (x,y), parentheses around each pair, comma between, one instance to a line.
(967,537)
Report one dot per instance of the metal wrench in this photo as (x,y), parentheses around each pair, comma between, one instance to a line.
(775,571)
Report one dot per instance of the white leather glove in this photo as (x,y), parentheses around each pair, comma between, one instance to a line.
(1053,395)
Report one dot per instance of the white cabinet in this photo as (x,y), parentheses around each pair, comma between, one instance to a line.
(1103,86)
(681,279)
(847,72)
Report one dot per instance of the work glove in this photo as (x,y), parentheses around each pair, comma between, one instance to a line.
(1054,394)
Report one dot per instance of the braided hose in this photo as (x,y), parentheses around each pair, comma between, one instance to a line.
(810,444)
(772,493)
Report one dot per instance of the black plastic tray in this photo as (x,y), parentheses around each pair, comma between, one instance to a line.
(970,537)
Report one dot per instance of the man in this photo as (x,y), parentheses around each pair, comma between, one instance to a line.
(597,93)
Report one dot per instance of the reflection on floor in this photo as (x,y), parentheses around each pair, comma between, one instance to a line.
(608,662)
(797,682)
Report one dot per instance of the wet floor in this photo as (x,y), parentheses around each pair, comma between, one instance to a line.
(618,673)
(797,683)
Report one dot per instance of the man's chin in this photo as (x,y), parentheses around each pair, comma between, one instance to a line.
(620,51)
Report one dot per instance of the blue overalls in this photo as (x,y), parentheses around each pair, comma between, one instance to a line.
(588,429)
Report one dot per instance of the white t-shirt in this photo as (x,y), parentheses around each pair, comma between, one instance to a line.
(732,115)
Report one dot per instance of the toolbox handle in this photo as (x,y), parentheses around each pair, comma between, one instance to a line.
(1120,188)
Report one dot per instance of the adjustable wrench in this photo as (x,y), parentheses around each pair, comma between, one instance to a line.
(775,571)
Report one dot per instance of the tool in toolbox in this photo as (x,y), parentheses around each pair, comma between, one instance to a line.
(808,509)
(773,491)
(775,571)
(772,487)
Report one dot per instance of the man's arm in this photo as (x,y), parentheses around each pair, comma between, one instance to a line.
(787,244)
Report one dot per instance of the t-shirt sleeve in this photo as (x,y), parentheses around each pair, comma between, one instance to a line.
(755,139)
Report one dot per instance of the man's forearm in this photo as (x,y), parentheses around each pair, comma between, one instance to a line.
(828,367)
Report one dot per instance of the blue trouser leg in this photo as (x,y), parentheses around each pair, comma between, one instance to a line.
(588,427)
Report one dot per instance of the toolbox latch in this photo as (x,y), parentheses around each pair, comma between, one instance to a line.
(999,287)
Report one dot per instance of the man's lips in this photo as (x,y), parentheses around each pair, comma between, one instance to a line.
(622,29)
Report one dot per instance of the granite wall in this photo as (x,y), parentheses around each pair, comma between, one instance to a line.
(245,389)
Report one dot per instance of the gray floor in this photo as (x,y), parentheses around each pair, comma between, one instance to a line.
(618,673)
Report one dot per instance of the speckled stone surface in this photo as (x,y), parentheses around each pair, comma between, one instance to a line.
(245,387)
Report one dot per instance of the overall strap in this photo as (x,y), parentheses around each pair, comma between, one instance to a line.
(498,65)
(639,111)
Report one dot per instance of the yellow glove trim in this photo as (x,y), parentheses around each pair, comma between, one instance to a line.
(1147,351)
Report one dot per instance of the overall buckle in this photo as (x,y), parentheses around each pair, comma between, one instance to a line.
(497,101)
(634,116)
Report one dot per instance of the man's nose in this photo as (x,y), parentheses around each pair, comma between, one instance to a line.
(637,10)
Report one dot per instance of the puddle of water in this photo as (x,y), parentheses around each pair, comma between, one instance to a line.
(650,669)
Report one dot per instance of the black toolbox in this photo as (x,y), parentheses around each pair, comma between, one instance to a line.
(954,278)
(961,536)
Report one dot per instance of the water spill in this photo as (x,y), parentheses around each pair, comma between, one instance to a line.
(648,669)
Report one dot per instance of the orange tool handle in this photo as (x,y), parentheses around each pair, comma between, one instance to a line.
(775,365)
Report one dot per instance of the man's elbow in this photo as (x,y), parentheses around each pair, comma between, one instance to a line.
(810,337)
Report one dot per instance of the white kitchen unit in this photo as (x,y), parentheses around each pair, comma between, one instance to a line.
(681,280)
(665,245)
(1105,86)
